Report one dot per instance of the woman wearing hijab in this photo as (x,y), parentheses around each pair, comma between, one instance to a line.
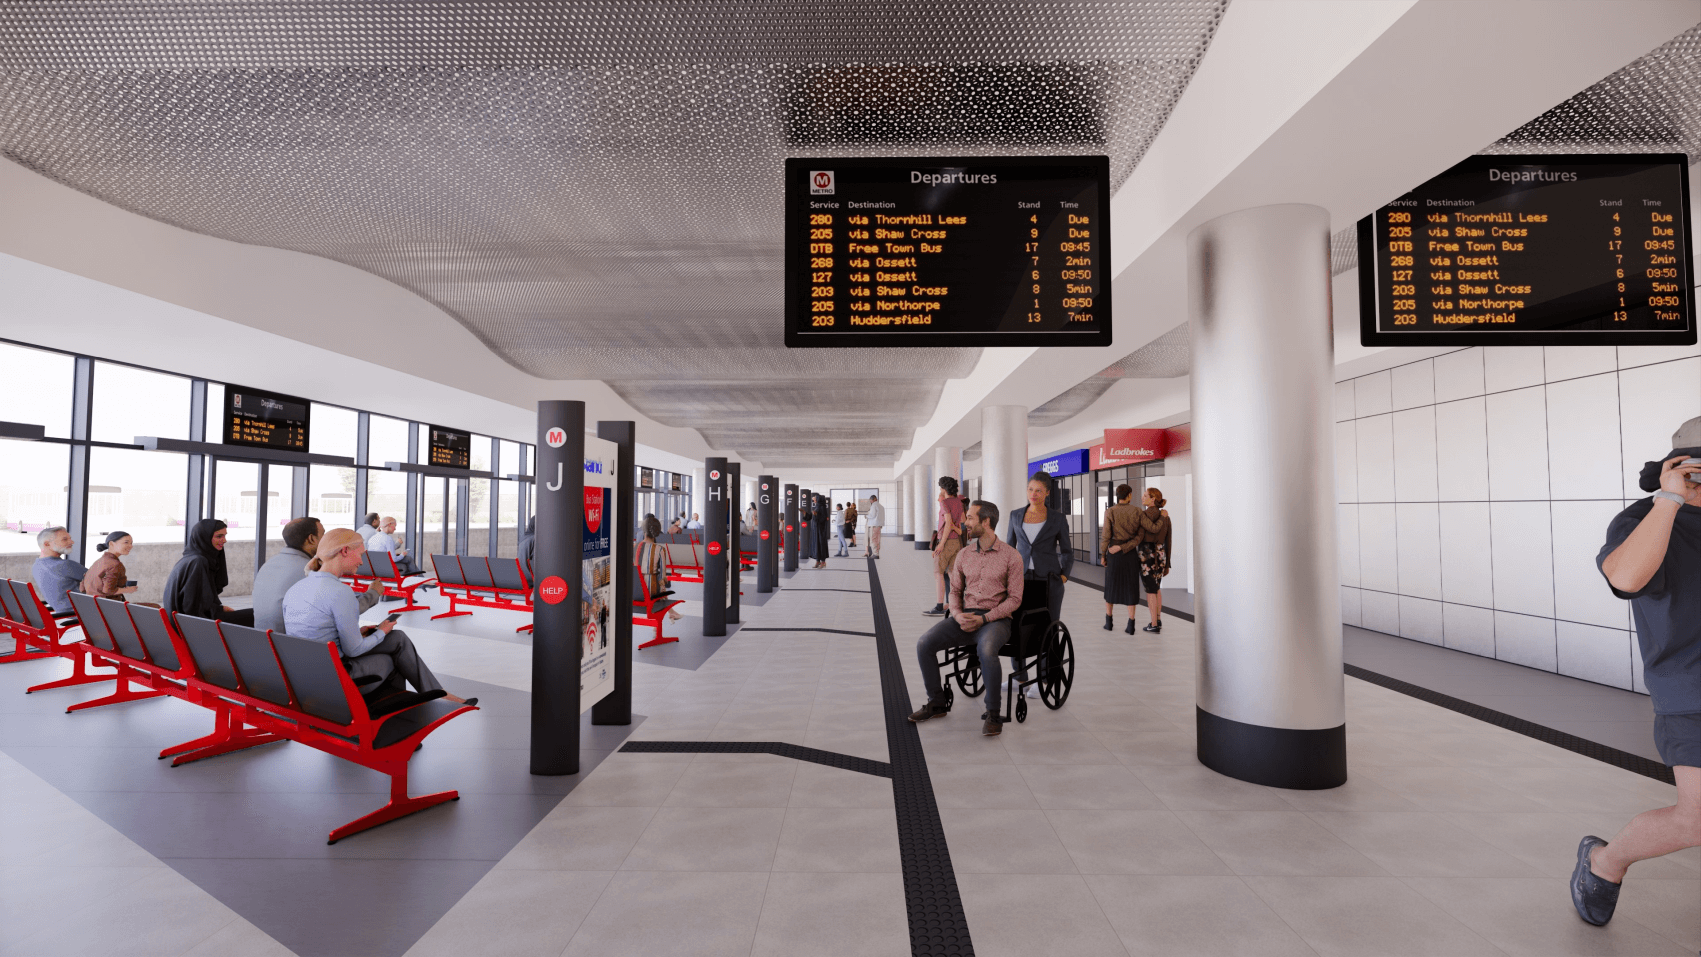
(823,522)
(107,577)
(196,580)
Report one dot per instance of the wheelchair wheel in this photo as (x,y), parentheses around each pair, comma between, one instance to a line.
(950,698)
(1057,652)
(969,677)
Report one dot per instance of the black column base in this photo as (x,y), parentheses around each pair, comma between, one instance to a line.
(924,546)
(1275,757)
(909,538)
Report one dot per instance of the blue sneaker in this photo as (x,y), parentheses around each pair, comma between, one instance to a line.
(1594,897)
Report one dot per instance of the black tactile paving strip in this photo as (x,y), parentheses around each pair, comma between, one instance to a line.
(832,759)
(937,923)
(1095,586)
(830,631)
(1605,754)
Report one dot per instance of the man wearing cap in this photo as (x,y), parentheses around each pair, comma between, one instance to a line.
(1652,557)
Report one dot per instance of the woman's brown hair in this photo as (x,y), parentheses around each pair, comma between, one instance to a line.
(1154,493)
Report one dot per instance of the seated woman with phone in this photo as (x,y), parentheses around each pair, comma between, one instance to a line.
(107,577)
(321,607)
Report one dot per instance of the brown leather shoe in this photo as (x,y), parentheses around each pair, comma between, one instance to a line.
(932,709)
(992,726)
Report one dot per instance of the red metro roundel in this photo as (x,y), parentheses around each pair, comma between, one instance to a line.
(553,589)
(714,548)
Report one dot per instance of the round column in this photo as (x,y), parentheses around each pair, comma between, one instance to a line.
(698,505)
(926,506)
(1271,696)
(900,501)
(1004,456)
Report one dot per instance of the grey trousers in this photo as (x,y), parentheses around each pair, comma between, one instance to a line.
(988,640)
(394,655)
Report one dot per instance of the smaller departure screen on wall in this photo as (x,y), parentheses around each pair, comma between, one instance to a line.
(451,448)
(964,251)
(1547,250)
(265,419)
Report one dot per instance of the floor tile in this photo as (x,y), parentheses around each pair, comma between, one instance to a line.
(162,914)
(1028,915)
(1133,842)
(1109,787)
(1055,747)
(838,839)
(817,785)
(1420,844)
(1367,917)
(580,838)
(239,938)
(980,785)
(1152,748)
(1198,788)
(734,784)
(627,783)
(833,915)
(1668,907)
(672,914)
(708,839)
(1276,843)
(1534,916)
(1174,916)
(998,841)
(1450,789)
(515,913)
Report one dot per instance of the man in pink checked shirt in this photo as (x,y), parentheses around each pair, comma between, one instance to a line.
(986,589)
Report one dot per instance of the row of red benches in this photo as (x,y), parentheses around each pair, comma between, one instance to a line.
(261,686)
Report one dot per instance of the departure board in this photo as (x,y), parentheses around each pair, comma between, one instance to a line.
(451,448)
(265,419)
(1533,250)
(968,251)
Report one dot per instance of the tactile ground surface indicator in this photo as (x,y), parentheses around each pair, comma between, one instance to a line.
(832,759)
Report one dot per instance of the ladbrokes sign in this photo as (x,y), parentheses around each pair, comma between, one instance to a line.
(1130,447)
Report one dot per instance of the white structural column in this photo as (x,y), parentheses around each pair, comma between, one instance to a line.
(698,505)
(1004,456)
(1271,697)
(947,460)
(922,511)
(900,519)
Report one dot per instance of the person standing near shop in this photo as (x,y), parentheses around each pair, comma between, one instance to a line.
(1041,535)
(839,535)
(1652,557)
(947,540)
(876,521)
(1153,551)
(1117,541)
(850,523)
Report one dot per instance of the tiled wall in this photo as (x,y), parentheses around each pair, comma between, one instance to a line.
(1476,488)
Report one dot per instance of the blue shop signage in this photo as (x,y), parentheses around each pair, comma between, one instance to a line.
(1068,463)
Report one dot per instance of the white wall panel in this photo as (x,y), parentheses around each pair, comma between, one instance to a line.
(1594,654)
(1524,640)
(1653,401)
(1461,450)
(1415,455)
(1373,394)
(1512,367)
(1418,544)
(1420,620)
(1458,375)
(1580,591)
(1350,614)
(1517,445)
(1466,628)
(1378,560)
(1380,611)
(1346,461)
(1629,357)
(1583,438)
(1574,362)
(1376,458)
(1523,557)
(1414,385)
(1467,567)
(1344,401)
(1346,529)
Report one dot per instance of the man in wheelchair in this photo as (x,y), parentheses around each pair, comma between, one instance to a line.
(986,590)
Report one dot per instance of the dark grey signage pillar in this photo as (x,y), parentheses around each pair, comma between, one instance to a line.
(735,538)
(805,532)
(766,547)
(714,547)
(558,569)
(616,707)
(790,520)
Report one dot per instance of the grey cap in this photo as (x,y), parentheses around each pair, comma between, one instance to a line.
(1688,435)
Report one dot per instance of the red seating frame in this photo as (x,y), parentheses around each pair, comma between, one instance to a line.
(469,594)
(391,586)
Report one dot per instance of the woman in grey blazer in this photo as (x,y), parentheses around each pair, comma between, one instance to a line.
(1042,536)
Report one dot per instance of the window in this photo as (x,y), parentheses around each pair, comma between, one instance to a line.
(331,488)
(143,493)
(129,402)
(32,490)
(38,389)
(387,492)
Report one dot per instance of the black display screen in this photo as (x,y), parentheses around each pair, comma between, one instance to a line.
(965,251)
(265,419)
(451,448)
(1533,250)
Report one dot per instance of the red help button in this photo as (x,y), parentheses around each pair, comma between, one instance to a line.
(764,534)
(553,589)
(714,548)
(789,528)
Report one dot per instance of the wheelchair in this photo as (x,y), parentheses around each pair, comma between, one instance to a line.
(1038,645)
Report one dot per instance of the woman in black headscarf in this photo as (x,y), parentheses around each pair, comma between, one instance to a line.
(823,530)
(196,580)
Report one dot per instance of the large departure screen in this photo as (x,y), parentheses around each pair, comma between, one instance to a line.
(1533,250)
(974,251)
(451,448)
(265,419)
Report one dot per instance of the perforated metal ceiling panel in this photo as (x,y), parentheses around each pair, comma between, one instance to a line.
(591,188)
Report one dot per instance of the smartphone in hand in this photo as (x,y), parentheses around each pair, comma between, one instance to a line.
(130,584)
(393,618)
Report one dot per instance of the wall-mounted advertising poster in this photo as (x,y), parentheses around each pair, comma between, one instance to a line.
(597,663)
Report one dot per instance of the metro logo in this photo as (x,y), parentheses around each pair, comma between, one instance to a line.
(555,438)
(553,589)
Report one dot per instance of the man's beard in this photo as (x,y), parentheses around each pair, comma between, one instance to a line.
(61,550)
